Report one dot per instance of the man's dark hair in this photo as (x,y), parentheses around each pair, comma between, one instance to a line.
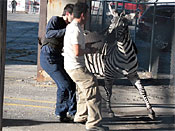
(68,8)
(80,8)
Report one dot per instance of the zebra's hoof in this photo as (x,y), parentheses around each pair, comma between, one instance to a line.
(151,114)
(111,114)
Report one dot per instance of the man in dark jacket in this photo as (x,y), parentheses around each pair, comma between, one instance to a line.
(51,61)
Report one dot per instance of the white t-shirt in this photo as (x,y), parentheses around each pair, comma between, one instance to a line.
(74,35)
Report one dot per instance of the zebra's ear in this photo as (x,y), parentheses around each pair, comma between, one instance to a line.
(123,13)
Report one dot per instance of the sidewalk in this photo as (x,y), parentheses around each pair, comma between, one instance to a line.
(29,105)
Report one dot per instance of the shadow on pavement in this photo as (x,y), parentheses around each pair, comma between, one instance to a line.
(126,105)
(25,122)
(21,43)
(145,82)
(143,120)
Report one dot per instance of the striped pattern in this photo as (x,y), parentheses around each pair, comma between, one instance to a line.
(95,63)
(121,57)
(115,58)
(113,55)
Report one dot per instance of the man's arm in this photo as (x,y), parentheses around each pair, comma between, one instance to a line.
(51,33)
(52,29)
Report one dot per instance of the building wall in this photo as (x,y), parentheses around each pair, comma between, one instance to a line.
(55,7)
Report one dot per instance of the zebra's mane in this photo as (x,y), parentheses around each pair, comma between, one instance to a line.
(95,40)
(98,39)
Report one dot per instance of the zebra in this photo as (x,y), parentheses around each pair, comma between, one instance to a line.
(116,57)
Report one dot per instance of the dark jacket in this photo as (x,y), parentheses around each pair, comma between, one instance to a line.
(55,31)
(14,4)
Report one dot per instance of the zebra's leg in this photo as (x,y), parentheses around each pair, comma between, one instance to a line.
(108,88)
(143,93)
(135,80)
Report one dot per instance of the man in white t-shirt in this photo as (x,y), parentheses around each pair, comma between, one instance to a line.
(89,101)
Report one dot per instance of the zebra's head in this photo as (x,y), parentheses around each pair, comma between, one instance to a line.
(121,28)
(118,27)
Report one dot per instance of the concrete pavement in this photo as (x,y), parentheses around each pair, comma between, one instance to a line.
(29,105)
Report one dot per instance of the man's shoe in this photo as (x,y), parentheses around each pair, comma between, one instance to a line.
(70,117)
(62,119)
(98,128)
(81,122)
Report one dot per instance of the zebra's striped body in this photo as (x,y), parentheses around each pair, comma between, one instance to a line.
(116,58)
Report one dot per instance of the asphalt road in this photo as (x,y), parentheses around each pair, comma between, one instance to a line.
(22,32)
(29,105)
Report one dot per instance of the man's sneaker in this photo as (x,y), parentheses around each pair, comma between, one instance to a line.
(98,128)
(62,119)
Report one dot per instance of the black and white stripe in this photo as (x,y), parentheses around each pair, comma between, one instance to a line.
(117,58)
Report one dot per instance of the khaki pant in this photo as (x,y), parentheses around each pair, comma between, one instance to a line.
(89,101)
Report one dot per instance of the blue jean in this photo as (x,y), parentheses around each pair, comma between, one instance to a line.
(52,62)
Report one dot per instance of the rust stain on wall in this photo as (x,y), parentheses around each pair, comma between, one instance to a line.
(50,1)
(60,4)
(53,2)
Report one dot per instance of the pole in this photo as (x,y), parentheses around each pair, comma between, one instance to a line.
(3,23)
(152,40)
(172,66)
(41,34)
(137,12)
(104,3)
